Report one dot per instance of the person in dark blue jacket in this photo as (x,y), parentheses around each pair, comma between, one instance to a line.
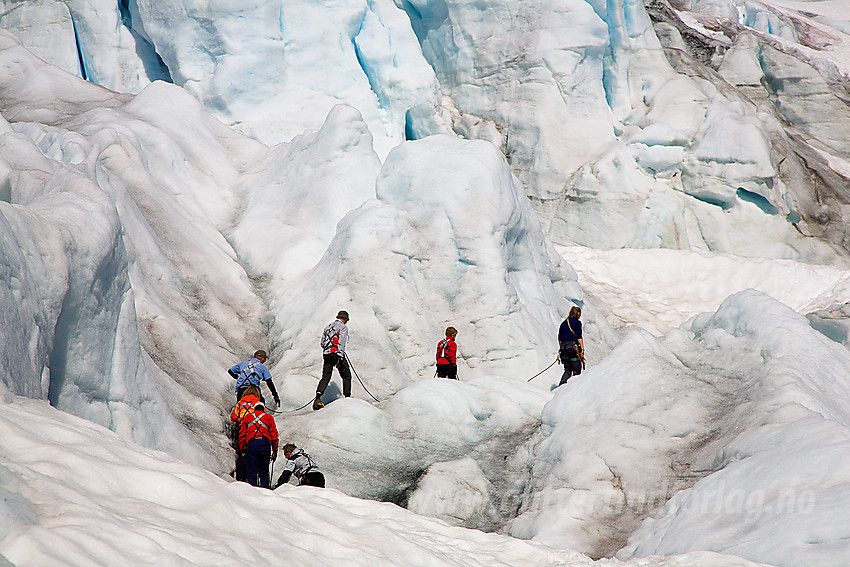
(571,345)
(250,373)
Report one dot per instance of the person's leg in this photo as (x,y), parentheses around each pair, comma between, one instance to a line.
(263,458)
(251,463)
(442,371)
(452,371)
(345,374)
(313,478)
(241,472)
(576,366)
(327,370)
(565,362)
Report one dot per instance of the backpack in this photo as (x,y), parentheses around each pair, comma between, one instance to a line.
(243,407)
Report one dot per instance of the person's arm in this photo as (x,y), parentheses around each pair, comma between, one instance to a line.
(580,339)
(343,340)
(284,477)
(288,468)
(234,372)
(272,389)
(275,436)
(266,376)
(243,435)
(234,415)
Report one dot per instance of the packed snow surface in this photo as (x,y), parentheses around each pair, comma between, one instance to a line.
(75,493)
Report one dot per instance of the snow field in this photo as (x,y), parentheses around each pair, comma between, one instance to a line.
(783,441)
(659,290)
(77,494)
(725,414)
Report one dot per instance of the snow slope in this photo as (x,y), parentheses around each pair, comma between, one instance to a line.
(75,493)
(744,442)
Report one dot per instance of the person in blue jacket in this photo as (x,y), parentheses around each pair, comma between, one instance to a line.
(571,345)
(250,373)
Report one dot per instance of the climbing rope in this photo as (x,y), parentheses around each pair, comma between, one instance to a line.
(291,411)
(542,371)
(359,380)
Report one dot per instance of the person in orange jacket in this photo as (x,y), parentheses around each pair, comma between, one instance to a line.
(244,406)
(258,439)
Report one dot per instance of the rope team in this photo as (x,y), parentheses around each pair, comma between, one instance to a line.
(254,432)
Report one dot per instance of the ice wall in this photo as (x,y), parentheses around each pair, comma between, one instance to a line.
(731,143)
(109,317)
(778,74)
(510,63)
(93,39)
(275,69)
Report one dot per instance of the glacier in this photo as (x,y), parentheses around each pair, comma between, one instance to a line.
(182,183)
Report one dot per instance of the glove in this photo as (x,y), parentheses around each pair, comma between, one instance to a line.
(277,401)
(274,456)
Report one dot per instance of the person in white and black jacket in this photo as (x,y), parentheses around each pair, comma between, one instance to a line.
(334,339)
(300,466)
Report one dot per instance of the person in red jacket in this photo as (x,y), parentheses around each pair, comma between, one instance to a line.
(447,355)
(258,438)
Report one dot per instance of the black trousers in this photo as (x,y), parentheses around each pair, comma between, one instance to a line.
(447,371)
(313,478)
(571,361)
(239,473)
(257,457)
(332,361)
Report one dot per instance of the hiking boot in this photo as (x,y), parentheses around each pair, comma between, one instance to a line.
(317,403)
